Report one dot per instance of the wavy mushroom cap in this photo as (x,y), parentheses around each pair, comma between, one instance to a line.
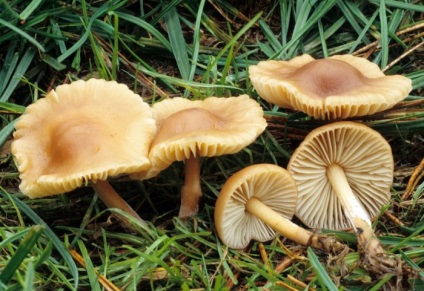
(340,86)
(366,159)
(270,184)
(87,130)
(211,127)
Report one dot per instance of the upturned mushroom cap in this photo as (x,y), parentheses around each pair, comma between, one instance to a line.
(211,127)
(270,184)
(340,86)
(87,130)
(366,159)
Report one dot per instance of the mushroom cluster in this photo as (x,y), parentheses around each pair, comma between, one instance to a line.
(90,130)
(343,170)
(259,201)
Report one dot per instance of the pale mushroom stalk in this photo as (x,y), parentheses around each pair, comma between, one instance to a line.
(191,190)
(344,171)
(112,199)
(354,210)
(258,202)
(291,230)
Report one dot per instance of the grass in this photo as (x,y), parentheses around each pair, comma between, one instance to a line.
(196,49)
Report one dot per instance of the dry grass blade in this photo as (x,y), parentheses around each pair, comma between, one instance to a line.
(109,286)
(416,176)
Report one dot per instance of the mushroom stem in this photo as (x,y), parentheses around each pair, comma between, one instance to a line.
(112,199)
(291,230)
(191,190)
(354,210)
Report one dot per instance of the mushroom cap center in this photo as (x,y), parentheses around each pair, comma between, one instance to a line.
(326,77)
(189,121)
(70,146)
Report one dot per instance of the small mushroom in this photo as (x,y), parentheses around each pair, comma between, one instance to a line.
(258,201)
(85,131)
(340,86)
(188,130)
(343,172)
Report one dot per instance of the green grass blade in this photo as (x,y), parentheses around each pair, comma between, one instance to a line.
(380,284)
(23,34)
(400,4)
(29,9)
(300,30)
(91,272)
(384,35)
(83,38)
(6,131)
(176,38)
(60,247)
(320,271)
(363,32)
(29,277)
(352,12)
(21,253)
(233,41)
(115,50)
(9,64)
(19,72)
(196,40)
(147,26)
(13,237)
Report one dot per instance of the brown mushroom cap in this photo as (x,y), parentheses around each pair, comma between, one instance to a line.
(87,130)
(271,185)
(340,86)
(364,156)
(211,127)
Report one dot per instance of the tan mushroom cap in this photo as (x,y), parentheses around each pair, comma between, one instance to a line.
(340,86)
(211,127)
(270,184)
(367,161)
(87,130)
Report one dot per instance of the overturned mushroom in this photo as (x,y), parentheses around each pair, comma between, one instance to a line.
(188,130)
(258,201)
(85,131)
(340,86)
(343,172)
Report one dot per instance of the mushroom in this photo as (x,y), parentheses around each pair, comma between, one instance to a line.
(343,172)
(188,130)
(340,86)
(259,201)
(84,131)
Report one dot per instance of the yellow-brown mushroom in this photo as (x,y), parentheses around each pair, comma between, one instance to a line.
(340,86)
(81,132)
(188,130)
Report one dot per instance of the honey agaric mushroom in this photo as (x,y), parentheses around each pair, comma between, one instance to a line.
(259,201)
(340,86)
(188,130)
(343,172)
(84,131)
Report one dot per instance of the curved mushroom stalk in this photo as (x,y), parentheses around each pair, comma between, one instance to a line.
(258,201)
(291,230)
(344,171)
